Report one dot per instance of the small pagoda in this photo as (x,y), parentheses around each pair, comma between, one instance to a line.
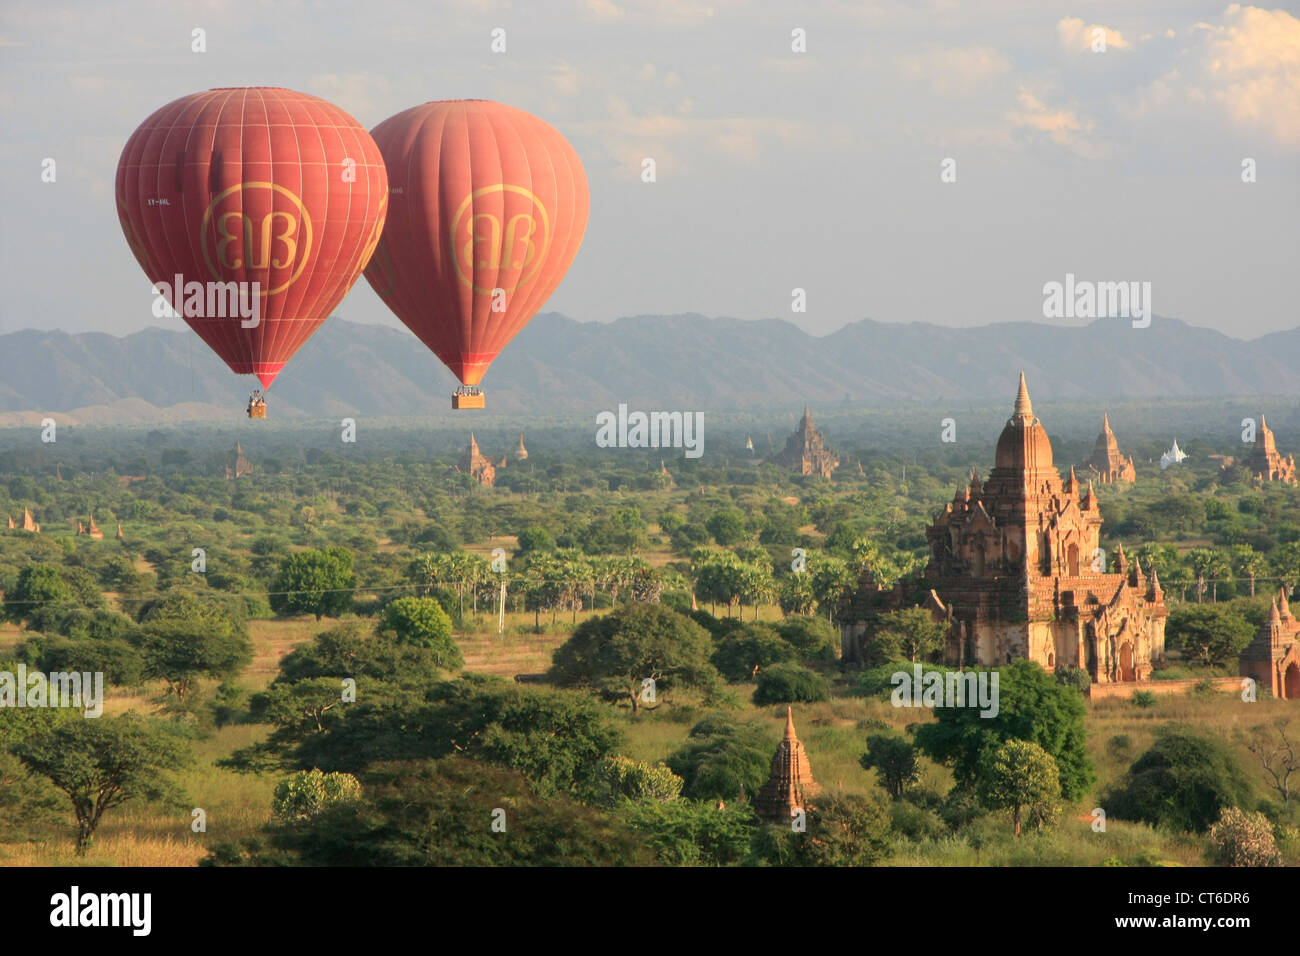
(791,784)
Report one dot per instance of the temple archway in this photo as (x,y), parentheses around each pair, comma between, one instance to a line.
(1291,682)
(1072,560)
(1126,662)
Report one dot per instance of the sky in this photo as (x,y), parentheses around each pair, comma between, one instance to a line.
(776,169)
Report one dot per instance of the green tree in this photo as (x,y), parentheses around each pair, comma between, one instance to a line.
(617,653)
(842,830)
(728,527)
(1184,781)
(102,763)
(1021,776)
(909,634)
(441,813)
(37,585)
(720,759)
(186,637)
(535,539)
(692,832)
(895,761)
(421,622)
(1031,706)
(314,582)
(1211,635)
(789,684)
(744,652)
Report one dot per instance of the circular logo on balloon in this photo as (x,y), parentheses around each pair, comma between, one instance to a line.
(509,240)
(259,240)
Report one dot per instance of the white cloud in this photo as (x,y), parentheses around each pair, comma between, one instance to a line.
(1077,36)
(1245,70)
(1063,126)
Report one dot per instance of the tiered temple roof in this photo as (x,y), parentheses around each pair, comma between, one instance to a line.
(806,452)
(1265,462)
(790,785)
(1106,463)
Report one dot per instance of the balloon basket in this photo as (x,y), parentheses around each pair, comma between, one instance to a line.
(257,411)
(462,400)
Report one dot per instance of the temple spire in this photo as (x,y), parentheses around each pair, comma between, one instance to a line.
(789,723)
(1023,409)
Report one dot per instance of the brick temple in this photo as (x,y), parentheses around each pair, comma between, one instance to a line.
(790,785)
(1016,571)
(805,451)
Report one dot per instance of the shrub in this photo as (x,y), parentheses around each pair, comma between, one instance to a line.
(1242,839)
(307,793)
(789,684)
(1076,677)
(1144,698)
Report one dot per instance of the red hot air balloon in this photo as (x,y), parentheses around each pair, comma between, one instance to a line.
(487,208)
(252,184)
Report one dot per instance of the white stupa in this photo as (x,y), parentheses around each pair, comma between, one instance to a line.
(1172,457)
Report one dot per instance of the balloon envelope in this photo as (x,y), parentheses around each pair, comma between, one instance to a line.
(253,184)
(487,208)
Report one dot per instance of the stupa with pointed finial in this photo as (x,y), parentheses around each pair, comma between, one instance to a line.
(1273,657)
(1265,462)
(521,453)
(1016,571)
(806,452)
(790,786)
(1106,462)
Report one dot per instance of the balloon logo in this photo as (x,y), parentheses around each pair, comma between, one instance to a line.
(488,208)
(498,249)
(255,244)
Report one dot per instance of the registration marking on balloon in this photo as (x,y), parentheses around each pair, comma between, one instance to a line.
(273,242)
(479,240)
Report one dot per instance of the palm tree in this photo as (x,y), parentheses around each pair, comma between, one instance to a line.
(1201,560)
(1248,562)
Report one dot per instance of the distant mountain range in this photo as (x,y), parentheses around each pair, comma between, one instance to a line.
(650,362)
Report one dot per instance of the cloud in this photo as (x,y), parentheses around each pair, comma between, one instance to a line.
(1063,126)
(1245,69)
(954,71)
(1076,36)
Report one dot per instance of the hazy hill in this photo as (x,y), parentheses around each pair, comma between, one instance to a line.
(651,362)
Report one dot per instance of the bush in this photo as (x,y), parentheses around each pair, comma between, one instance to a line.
(915,823)
(790,684)
(1144,698)
(1184,781)
(813,638)
(306,794)
(1076,677)
(747,651)
(1242,839)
